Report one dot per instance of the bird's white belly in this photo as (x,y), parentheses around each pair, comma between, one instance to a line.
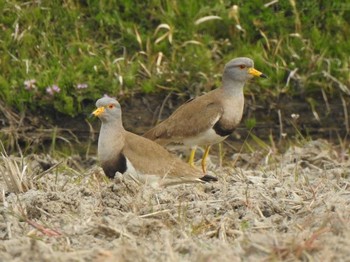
(136,174)
(208,137)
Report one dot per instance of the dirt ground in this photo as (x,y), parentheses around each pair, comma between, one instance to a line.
(268,207)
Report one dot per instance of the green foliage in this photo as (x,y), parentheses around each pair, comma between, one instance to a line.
(250,123)
(121,47)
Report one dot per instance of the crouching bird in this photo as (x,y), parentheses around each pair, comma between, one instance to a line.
(122,151)
(210,118)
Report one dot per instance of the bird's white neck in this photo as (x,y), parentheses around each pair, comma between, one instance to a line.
(111,140)
(232,88)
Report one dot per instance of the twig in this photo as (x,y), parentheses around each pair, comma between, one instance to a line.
(48,170)
(162,107)
(155,213)
(46,231)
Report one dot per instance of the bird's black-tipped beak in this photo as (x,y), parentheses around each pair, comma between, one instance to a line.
(98,111)
(255,72)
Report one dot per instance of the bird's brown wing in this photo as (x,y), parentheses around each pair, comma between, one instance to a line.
(150,158)
(190,119)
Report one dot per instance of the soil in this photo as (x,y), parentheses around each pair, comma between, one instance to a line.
(33,132)
(266,206)
(278,202)
(326,119)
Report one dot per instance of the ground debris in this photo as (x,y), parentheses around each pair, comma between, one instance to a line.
(296,208)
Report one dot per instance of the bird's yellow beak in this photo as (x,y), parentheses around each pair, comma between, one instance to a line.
(255,72)
(98,111)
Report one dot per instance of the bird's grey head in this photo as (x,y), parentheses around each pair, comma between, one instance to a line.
(108,109)
(240,69)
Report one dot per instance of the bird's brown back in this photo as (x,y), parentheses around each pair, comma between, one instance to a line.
(188,120)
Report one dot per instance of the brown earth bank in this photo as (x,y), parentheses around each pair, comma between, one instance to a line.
(279,120)
(318,117)
(267,206)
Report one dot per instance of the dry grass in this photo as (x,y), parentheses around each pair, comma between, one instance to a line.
(286,207)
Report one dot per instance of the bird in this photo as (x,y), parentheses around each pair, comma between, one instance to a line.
(210,118)
(122,151)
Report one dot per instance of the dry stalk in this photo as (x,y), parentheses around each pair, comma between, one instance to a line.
(346,115)
(300,248)
(4,213)
(15,177)
(280,125)
(155,213)
(112,231)
(45,230)
(48,170)
(162,107)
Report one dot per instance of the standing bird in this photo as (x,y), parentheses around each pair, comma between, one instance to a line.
(210,118)
(122,151)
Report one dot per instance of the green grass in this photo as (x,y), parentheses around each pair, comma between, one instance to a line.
(122,47)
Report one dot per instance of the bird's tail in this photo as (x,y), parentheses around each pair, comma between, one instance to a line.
(209,178)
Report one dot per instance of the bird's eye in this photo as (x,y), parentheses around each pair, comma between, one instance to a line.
(242,66)
(111,106)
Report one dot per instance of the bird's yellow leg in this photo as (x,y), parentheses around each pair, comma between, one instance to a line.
(221,154)
(204,161)
(191,158)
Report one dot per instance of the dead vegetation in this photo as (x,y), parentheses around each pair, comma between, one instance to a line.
(28,132)
(291,206)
